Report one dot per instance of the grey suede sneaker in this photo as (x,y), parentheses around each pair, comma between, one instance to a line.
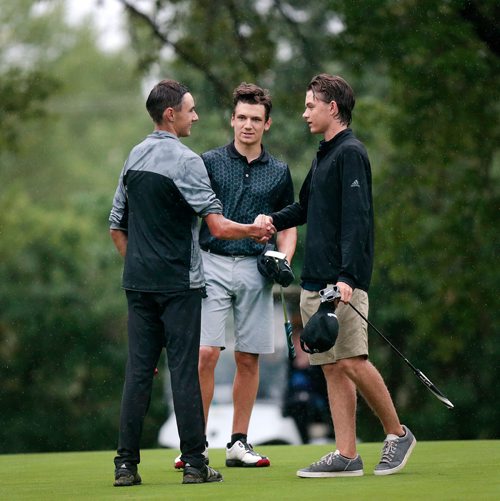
(333,465)
(395,454)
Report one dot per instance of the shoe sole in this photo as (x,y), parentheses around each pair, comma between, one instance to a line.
(401,465)
(236,463)
(329,474)
(125,482)
(192,480)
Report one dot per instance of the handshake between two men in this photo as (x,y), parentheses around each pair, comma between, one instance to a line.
(264,228)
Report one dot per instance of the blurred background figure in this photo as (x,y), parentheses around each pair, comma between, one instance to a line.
(305,397)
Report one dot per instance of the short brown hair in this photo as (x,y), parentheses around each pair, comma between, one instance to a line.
(329,88)
(253,94)
(165,94)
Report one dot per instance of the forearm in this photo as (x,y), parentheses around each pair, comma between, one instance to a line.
(286,242)
(289,217)
(225,229)
(120,239)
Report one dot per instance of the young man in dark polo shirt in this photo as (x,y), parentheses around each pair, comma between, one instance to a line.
(248,181)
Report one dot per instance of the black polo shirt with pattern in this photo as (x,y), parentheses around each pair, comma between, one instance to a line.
(246,190)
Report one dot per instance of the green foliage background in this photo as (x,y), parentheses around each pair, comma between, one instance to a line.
(426,76)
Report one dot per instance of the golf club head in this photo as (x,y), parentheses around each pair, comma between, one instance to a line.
(432,387)
(273,265)
(330,294)
(275,254)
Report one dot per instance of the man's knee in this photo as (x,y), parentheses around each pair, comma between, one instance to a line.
(208,358)
(349,367)
(246,362)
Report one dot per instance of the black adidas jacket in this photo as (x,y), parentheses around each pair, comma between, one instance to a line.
(336,202)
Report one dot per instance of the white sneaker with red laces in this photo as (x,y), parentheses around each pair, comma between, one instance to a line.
(242,454)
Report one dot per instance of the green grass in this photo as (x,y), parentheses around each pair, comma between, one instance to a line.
(436,471)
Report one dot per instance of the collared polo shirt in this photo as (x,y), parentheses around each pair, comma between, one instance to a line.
(246,190)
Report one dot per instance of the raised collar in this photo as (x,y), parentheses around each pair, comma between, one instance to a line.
(325,146)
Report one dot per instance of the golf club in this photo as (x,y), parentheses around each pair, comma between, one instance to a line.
(333,293)
(280,256)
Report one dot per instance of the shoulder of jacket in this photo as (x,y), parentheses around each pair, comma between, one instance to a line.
(352,145)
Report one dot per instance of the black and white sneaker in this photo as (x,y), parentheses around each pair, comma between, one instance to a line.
(126,476)
(194,475)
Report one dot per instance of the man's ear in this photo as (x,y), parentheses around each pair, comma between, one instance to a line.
(267,125)
(168,115)
(334,109)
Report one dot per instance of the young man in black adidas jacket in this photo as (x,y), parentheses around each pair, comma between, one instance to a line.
(336,202)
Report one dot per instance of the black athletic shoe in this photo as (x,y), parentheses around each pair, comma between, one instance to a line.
(125,477)
(194,475)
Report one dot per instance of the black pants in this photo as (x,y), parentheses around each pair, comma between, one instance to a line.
(156,320)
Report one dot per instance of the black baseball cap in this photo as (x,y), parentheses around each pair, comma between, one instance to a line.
(320,333)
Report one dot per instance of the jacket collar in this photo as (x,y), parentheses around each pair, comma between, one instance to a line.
(325,146)
(162,134)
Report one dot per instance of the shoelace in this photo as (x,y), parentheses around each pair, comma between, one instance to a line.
(211,472)
(388,451)
(326,459)
(249,449)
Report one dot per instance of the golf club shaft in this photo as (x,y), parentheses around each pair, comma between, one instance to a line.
(288,329)
(427,382)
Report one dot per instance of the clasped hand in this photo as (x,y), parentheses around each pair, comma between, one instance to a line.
(264,228)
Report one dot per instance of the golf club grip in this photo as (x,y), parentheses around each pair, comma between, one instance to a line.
(289,341)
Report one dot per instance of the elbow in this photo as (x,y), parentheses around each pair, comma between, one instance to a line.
(115,233)
(217,232)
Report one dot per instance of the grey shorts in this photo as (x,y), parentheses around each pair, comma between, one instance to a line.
(352,340)
(234,283)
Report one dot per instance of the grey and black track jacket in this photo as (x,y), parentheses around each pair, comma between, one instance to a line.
(162,190)
(336,202)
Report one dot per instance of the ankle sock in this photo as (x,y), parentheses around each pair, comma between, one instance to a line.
(238,436)
(391,436)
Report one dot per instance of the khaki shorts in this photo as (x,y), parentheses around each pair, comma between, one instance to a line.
(352,340)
